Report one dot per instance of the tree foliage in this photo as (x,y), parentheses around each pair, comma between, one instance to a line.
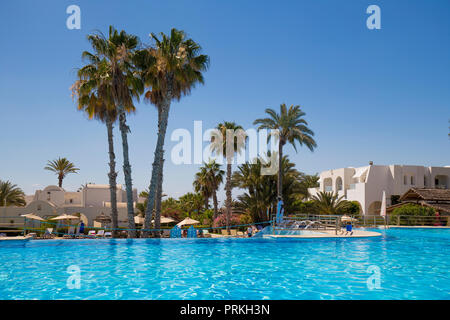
(11,195)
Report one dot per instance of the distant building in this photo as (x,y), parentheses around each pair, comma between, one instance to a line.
(366,184)
(438,199)
(89,202)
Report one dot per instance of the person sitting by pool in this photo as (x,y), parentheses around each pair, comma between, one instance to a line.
(249,231)
(349,228)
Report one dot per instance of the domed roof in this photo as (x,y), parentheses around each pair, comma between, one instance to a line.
(53,188)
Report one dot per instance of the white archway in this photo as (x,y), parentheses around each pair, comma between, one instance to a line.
(374,208)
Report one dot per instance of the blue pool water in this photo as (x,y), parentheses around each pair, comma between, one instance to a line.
(412,264)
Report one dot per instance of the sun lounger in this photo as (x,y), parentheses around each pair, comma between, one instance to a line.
(166,233)
(91,233)
(32,235)
(224,232)
(48,234)
(108,234)
(100,233)
(240,234)
(233,232)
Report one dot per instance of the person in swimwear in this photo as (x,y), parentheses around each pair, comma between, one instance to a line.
(349,228)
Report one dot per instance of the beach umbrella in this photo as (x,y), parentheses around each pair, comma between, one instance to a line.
(65,217)
(383,205)
(383,208)
(187,221)
(32,216)
(165,220)
(347,218)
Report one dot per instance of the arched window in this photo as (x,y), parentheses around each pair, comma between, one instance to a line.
(412,180)
(405,180)
(338,184)
(328,184)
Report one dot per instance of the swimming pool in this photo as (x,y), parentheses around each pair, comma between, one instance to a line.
(409,264)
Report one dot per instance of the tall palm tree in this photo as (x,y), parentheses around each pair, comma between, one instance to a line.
(231,141)
(329,203)
(87,89)
(118,53)
(292,128)
(11,195)
(61,167)
(171,69)
(208,180)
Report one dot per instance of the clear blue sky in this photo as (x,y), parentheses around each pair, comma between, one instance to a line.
(380,95)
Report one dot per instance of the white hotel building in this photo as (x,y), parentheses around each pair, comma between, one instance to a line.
(89,202)
(366,184)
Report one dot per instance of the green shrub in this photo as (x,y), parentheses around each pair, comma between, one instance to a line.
(351,208)
(413,210)
(305,207)
(411,213)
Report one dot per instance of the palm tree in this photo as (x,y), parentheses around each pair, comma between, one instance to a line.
(202,186)
(191,202)
(11,195)
(329,203)
(292,128)
(171,69)
(118,54)
(61,167)
(261,193)
(87,89)
(306,182)
(231,140)
(208,180)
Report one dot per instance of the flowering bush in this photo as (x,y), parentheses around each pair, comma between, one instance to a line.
(221,220)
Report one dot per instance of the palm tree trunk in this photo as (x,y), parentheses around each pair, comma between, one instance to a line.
(60,180)
(112,175)
(215,204)
(228,194)
(158,201)
(156,179)
(280,180)
(206,203)
(127,173)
